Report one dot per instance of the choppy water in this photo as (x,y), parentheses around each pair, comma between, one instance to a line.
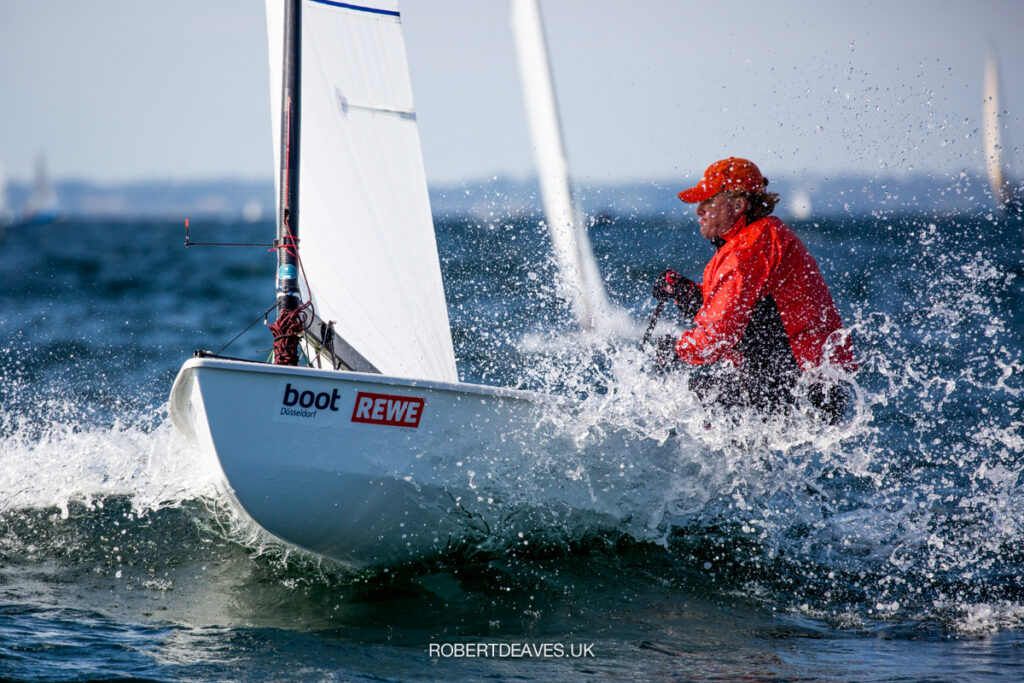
(889,549)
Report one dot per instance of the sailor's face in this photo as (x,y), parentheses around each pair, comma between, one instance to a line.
(718,214)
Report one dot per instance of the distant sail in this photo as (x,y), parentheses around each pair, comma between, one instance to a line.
(990,126)
(800,205)
(3,195)
(366,235)
(577,266)
(6,216)
(42,203)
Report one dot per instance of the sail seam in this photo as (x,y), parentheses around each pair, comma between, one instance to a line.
(357,8)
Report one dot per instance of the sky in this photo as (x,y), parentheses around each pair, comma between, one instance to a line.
(127,90)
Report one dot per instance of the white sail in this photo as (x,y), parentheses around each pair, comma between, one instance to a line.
(990,126)
(577,266)
(366,236)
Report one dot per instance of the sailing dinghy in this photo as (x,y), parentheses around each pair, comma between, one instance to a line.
(377,455)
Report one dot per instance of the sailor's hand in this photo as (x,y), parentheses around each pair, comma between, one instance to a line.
(672,285)
(665,352)
(665,286)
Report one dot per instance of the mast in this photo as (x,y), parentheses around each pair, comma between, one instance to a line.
(287,242)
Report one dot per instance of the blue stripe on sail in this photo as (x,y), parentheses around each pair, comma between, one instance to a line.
(358,8)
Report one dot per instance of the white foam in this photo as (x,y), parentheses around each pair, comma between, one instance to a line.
(70,461)
(985,617)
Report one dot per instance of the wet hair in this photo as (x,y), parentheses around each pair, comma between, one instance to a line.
(759,204)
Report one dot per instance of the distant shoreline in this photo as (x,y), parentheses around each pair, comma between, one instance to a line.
(253,200)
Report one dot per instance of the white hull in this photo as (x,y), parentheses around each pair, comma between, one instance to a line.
(480,460)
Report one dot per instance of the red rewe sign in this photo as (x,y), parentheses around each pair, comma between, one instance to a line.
(383,409)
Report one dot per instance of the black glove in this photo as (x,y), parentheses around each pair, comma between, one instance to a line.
(672,285)
(665,352)
(665,286)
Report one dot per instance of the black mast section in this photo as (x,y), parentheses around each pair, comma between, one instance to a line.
(288,221)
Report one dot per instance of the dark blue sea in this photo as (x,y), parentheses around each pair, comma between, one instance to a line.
(888,549)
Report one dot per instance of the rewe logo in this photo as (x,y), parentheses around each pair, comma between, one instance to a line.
(382,409)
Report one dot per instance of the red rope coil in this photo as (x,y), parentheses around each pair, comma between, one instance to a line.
(287,330)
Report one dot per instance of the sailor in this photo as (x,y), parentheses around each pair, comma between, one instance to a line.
(762,314)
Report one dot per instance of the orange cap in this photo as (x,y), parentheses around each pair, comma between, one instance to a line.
(728,174)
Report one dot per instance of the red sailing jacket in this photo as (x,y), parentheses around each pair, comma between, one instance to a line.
(759,260)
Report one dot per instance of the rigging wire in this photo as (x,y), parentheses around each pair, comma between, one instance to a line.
(263,316)
(190,243)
